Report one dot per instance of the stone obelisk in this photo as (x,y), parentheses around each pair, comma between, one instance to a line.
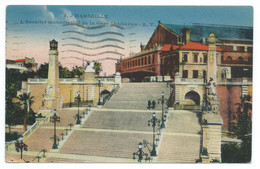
(52,95)
(211,118)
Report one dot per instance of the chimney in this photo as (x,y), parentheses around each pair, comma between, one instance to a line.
(203,41)
(142,47)
(186,35)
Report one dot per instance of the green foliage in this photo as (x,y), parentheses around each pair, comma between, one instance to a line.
(13,114)
(77,71)
(232,153)
(65,73)
(13,83)
(11,136)
(97,68)
(42,72)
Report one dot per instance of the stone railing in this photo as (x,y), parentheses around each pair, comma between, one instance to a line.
(30,130)
(192,80)
(106,79)
(106,98)
(235,81)
(10,146)
(30,80)
(186,107)
(71,80)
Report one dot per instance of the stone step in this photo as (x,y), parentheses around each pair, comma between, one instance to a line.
(133,121)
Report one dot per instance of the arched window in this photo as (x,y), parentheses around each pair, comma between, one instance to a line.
(229,59)
(240,59)
(224,73)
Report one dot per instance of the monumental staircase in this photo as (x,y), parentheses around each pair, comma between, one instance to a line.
(112,133)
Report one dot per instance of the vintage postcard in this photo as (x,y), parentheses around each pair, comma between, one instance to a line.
(128,84)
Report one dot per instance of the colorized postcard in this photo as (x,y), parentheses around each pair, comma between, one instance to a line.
(128,84)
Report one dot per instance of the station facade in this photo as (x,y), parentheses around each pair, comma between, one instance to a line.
(182,52)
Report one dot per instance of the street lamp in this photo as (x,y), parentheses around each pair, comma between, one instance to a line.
(140,153)
(54,119)
(162,100)
(78,100)
(20,146)
(70,96)
(154,120)
(99,85)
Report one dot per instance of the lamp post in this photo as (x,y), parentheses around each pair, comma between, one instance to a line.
(99,85)
(140,153)
(204,106)
(154,120)
(78,100)
(162,100)
(54,119)
(20,146)
(70,96)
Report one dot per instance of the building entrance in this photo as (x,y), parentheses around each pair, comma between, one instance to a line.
(192,98)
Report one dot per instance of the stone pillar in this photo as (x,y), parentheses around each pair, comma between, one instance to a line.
(89,77)
(244,87)
(211,118)
(211,127)
(118,78)
(212,59)
(52,95)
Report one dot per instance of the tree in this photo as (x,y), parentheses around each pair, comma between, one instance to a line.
(27,101)
(65,73)
(13,114)
(97,68)
(233,153)
(42,72)
(77,71)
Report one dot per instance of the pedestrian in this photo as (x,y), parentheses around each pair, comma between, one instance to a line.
(149,104)
(153,104)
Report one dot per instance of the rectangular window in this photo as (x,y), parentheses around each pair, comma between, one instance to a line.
(205,58)
(145,60)
(195,73)
(149,59)
(185,74)
(153,59)
(135,62)
(228,48)
(142,59)
(204,74)
(195,58)
(138,62)
(241,48)
(250,49)
(185,57)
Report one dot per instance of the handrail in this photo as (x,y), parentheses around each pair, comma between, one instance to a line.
(107,98)
(10,145)
(39,157)
(30,130)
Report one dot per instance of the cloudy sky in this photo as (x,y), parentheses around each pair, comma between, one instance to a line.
(102,33)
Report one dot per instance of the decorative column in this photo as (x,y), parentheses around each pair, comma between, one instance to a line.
(211,118)
(89,78)
(52,95)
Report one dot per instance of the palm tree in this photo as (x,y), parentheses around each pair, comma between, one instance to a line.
(27,101)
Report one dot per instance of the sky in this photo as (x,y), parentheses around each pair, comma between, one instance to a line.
(102,33)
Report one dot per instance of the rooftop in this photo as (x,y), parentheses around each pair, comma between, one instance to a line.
(188,46)
(199,31)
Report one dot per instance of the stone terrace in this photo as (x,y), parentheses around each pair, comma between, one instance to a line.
(120,120)
(40,139)
(106,144)
(180,142)
(66,117)
(136,95)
